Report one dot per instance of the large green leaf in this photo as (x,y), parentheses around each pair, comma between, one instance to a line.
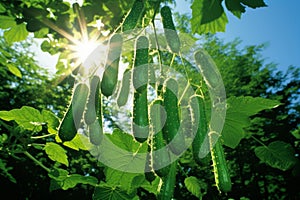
(27,117)
(254,3)
(62,179)
(120,151)
(239,109)
(56,153)
(7,22)
(277,154)
(235,7)
(107,192)
(194,186)
(208,16)
(124,180)
(16,33)
(31,119)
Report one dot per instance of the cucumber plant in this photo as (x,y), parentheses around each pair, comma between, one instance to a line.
(110,75)
(68,127)
(171,35)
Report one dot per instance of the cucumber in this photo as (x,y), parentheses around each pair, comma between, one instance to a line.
(168,186)
(96,132)
(160,155)
(68,127)
(208,69)
(140,125)
(199,119)
(93,106)
(149,174)
(221,173)
(125,88)
(133,16)
(171,133)
(110,75)
(171,35)
(140,66)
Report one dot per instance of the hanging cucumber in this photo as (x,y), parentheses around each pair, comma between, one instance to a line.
(221,173)
(149,174)
(168,186)
(140,66)
(199,119)
(93,105)
(132,18)
(160,155)
(110,75)
(140,81)
(171,35)
(140,128)
(208,69)
(68,127)
(125,88)
(96,132)
(171,133)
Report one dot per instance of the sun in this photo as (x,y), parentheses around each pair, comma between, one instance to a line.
(84,49)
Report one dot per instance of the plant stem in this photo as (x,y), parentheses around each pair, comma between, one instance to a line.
(36,161)
(260,142)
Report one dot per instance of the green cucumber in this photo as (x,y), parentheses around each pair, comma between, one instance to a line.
(110,75)
(167,189)
(140,125)
(208,69)
(93,106)
(149,174)
(171,35)
(125,88)
(160,155)
(199,119)
(171,133)
(221,173)
(140,66)
(68,127)
(96,132)
(133,16)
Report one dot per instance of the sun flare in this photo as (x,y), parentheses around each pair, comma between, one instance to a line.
(84,49)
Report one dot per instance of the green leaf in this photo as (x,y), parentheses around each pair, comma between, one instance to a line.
(208,17)
(194,186)
(14,70)
(56,153)
(7,22)
(107,192)
(277,154)
(80,141)
(235,7)
(16,33)
(120,151)
(4,171)
(126,181)
(239,109)
(254,3)
(62,179)
(51,120)
(26,117)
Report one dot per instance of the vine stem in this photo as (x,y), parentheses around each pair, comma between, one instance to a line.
(36,161)
(42,136)
(260,142)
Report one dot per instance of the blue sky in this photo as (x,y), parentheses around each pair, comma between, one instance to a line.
(278,25)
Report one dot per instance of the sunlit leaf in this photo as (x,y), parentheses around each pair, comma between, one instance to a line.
(277,154)
(56,153)
(62,179)
(239,109)
(14,70)
(194,186)
(208,17)
(7,22)
(51,120)
(27,117)
(16,33)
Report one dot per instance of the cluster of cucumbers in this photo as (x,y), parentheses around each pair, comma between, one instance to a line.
(147,126)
